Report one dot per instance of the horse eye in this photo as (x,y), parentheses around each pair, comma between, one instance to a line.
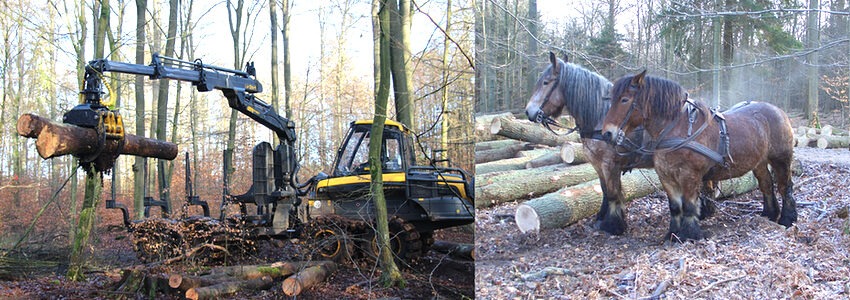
(545,82)
(624,100)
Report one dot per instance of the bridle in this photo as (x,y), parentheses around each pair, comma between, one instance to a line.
(548,121)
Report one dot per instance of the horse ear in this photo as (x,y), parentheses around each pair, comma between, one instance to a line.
(553,59)
(566,57)
(638,80)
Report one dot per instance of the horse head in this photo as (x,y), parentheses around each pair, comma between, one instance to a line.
(547,98)
(642,100)
(622,117)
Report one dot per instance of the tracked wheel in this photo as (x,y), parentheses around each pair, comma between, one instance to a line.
(405,242)
(328,238)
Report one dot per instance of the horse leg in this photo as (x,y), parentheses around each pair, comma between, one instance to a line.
(706,197)
(613,205)
(603,210)
(781,168)
(769,202)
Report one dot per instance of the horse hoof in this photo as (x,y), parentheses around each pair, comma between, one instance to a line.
(612,226)
(787,221)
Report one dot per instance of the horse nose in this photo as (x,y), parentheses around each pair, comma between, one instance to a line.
(607,136)
(531,113)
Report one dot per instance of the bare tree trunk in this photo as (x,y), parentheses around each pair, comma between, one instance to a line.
(234,16)
(380,23)
(287,86)
(275,92)
(399,59)
(444,135)
(162,107)
(139,87)
(813,41)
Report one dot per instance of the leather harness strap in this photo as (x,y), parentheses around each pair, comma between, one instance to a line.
(718,156)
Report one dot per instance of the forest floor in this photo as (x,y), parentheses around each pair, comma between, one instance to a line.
(745,257)
(434,276)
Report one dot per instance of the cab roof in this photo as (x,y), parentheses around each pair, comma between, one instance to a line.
(388,122)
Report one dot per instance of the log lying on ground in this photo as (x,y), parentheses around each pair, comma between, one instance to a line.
(306,278)
(56,139)
(573,153)
(235,273)
(574,203)
(485,120)
(502,165)
(801,141)
(226,288)
(455,250)
(826,130)
(490,145)
(548,159)
(482,127)
(535,153)
(498,154)
(527,183)
(529,132)
(833,141)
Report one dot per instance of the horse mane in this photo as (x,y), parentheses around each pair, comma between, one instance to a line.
(583,92)
(659,97)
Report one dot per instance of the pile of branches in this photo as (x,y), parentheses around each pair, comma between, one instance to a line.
(206,239)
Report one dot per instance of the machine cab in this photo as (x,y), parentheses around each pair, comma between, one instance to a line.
(353,156)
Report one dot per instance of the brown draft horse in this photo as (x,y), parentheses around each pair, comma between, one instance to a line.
(694,145)
(584,95)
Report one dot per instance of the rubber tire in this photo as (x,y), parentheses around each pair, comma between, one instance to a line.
(405,242)
(329,239)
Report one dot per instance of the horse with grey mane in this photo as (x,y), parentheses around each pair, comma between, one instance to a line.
(567,87)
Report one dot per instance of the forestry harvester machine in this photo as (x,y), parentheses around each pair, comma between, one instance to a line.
(337,218)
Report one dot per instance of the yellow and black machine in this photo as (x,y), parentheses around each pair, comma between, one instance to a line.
(420,198)
(338,212)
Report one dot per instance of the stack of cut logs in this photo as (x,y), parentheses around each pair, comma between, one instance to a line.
(205,239)
(826,137)
(226,281)
(551,170)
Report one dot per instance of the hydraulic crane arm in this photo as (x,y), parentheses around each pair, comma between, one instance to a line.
(238,86)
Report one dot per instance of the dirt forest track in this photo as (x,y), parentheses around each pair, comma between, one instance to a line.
(745,257)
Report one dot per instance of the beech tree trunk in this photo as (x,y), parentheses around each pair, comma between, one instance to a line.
(502,165)
(528,183)
(486,156)
(833,141)
(574,203)
(57,139)
(228,288)
(573,153)
(490,145)
(307,278)
(548,159)
(528,132)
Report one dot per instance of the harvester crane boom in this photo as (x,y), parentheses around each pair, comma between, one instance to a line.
(237,86)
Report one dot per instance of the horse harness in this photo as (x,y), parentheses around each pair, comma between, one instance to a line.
(671,144)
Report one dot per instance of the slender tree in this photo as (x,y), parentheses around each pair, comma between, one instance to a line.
(139,90)
(400,57)
(380,23)
(275,92)
(285,8)
(812,42)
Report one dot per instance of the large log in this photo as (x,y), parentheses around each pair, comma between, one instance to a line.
(573,153)
(548,159)
(498,154)
(482,127)
(57,139)
(241,272)
(502,165)
(574,203)
(529,132)
(833,141)
(223,289)
(307,278)
(455,250)
(528,183)
(490,145)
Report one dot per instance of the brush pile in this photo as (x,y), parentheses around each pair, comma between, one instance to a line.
(206,239)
